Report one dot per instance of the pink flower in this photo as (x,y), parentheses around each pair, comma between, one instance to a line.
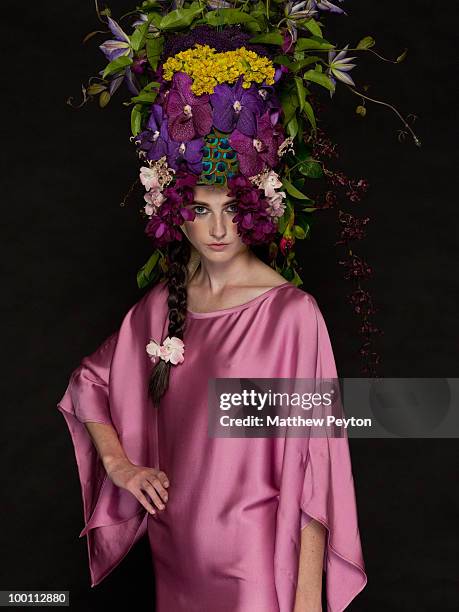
(286,244)
(154,199)
(276,206)
(269,181)
(170,350)
(149,178)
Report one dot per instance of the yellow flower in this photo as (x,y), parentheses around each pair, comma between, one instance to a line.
(207,67)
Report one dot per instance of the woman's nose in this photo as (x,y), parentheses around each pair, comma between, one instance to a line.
(218,227)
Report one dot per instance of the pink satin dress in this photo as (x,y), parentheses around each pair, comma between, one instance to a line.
(230,535)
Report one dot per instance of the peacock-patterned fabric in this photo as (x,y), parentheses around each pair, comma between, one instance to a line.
(219,160)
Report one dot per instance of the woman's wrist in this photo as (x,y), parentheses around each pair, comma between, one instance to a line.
(115,462)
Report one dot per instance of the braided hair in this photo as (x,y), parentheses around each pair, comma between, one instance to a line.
(178,255)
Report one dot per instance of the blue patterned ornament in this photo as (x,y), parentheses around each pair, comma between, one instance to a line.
(219,160)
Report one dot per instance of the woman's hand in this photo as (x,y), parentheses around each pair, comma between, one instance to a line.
(137,479)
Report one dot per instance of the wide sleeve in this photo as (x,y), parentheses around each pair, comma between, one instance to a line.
(328,495)
(87,399)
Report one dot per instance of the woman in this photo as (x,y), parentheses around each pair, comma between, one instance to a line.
(200,492)
(235,524)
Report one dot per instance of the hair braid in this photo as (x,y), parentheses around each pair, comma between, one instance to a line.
(178,255)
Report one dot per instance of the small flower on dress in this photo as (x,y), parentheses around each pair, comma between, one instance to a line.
(170,350)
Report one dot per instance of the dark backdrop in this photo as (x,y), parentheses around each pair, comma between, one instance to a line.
(72,253)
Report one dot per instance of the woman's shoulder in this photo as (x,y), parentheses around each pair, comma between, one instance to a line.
(292,297)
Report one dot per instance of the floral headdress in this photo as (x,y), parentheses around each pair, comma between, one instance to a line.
(226,93)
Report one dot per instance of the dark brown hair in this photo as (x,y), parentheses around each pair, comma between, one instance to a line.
(178,255)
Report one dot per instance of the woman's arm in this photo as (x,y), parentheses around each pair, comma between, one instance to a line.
(107,444)
(309,587)
(123,473)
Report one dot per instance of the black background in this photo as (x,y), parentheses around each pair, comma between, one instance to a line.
(72,253)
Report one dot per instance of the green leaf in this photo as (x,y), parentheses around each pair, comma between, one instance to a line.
(284,60)
(104,99)
(138,37)
(180,18)
(155,19)
(309,112)
(145,98)
(366,43)
(154,50)
(272,38)
(311,169)
(302,151)
(147,95)
(320,78)
(229,16)
(313,27)
(292,127)
(95,88)
(296,279)
(147,272)
(299,232)
(313,42)
(289,102)
(300,91)
(116,65)
(298,65)
(283,221)
(136,119)
(149,4)
(293,191)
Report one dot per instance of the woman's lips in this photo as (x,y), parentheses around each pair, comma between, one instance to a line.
(217,246)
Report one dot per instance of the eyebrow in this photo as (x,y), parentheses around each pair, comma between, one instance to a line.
(196,202)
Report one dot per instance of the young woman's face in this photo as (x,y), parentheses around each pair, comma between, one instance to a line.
(213,223)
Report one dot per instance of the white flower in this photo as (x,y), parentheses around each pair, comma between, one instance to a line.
(156,175)
(149,178)
(270,182)
(170,350)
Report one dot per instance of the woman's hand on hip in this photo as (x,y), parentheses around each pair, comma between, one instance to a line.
(139,480)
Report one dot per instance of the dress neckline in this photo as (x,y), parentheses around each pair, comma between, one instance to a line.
(222,311)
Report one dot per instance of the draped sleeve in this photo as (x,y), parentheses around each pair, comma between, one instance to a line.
(86,399)
(317,483)
(110,386)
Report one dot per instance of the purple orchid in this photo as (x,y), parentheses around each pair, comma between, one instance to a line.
(164,225)
(254,153)
(236,108)
(189,115)
(255,224)
(154,140)
(189,153)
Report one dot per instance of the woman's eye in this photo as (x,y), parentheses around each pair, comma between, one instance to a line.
(232,208)
(200,212)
